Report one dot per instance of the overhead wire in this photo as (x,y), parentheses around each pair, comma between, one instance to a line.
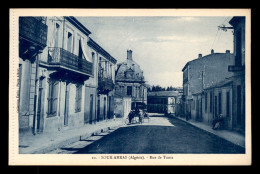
(214,39)
(218,36)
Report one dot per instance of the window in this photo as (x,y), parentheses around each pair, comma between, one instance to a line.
(129,90)
(239,97)
(110,74)
(185,90)
(185,75)
(69,42)
(228,104)
(104,108)
(215,107)
(211,102)
(162,101)
(80,50)
(52,97)
(206,101)
(219,103)
(57,28)
(122,90)
(93,61)
(78,98)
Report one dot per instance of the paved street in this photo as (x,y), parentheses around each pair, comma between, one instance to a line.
(159,135)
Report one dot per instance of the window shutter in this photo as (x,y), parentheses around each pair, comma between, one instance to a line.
(79,98)
(50,97)
(55,97)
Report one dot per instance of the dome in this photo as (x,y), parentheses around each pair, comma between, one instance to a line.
(129,70)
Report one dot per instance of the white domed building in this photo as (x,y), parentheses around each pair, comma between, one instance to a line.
(130,81)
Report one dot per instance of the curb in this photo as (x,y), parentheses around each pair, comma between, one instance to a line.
(209,132)
(62,143)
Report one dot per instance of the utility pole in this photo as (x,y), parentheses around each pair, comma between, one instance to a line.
(202,79)
(224,28)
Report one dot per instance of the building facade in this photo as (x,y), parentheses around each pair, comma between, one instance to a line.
(32,41)
(237,68)
(122,106)
(105,73)
(130,81)
(199,74)
(224,91)
(162,102)
(216,100)
(66,81)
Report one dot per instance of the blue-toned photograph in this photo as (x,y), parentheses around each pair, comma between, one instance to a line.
(132,85)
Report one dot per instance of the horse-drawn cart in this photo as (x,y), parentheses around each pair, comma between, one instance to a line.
(137,117)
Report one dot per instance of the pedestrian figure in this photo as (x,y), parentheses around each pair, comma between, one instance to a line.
(114,117)
(146,116)
(218,122)
(140,117)
(130,116)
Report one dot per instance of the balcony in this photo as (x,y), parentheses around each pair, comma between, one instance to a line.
(64,61)
(33,30)
(105,85)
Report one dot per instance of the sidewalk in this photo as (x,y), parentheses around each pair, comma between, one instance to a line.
(231,136)
(45,142)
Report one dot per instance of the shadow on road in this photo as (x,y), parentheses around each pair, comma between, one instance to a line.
(152,139)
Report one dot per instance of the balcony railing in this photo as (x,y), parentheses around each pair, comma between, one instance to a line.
(33,30)
(105,85)
(63,58)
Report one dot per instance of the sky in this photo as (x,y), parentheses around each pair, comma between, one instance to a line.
(161,45)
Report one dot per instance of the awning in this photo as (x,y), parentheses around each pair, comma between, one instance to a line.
(52,42)
(86,50)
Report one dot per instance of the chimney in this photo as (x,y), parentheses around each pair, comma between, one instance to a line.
(200,55)
(212,51)
(228,51)
(129,54)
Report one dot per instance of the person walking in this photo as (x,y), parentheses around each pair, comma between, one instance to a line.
(130,116)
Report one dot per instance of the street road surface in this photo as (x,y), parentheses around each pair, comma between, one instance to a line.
(161,135)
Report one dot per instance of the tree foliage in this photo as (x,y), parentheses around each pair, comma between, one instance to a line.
(159,88)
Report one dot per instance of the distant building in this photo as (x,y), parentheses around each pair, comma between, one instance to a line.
(162,101)
(130,81)
(202,73)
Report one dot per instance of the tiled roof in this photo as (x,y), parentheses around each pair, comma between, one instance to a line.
(220,84)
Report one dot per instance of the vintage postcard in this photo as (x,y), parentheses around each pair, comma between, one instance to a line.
(130,87)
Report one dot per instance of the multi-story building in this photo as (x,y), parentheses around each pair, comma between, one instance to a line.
(238,74)
(162,101)
(226,95)
(32,41)
(130,81)
(202,73)
(66,77)
(105,73)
